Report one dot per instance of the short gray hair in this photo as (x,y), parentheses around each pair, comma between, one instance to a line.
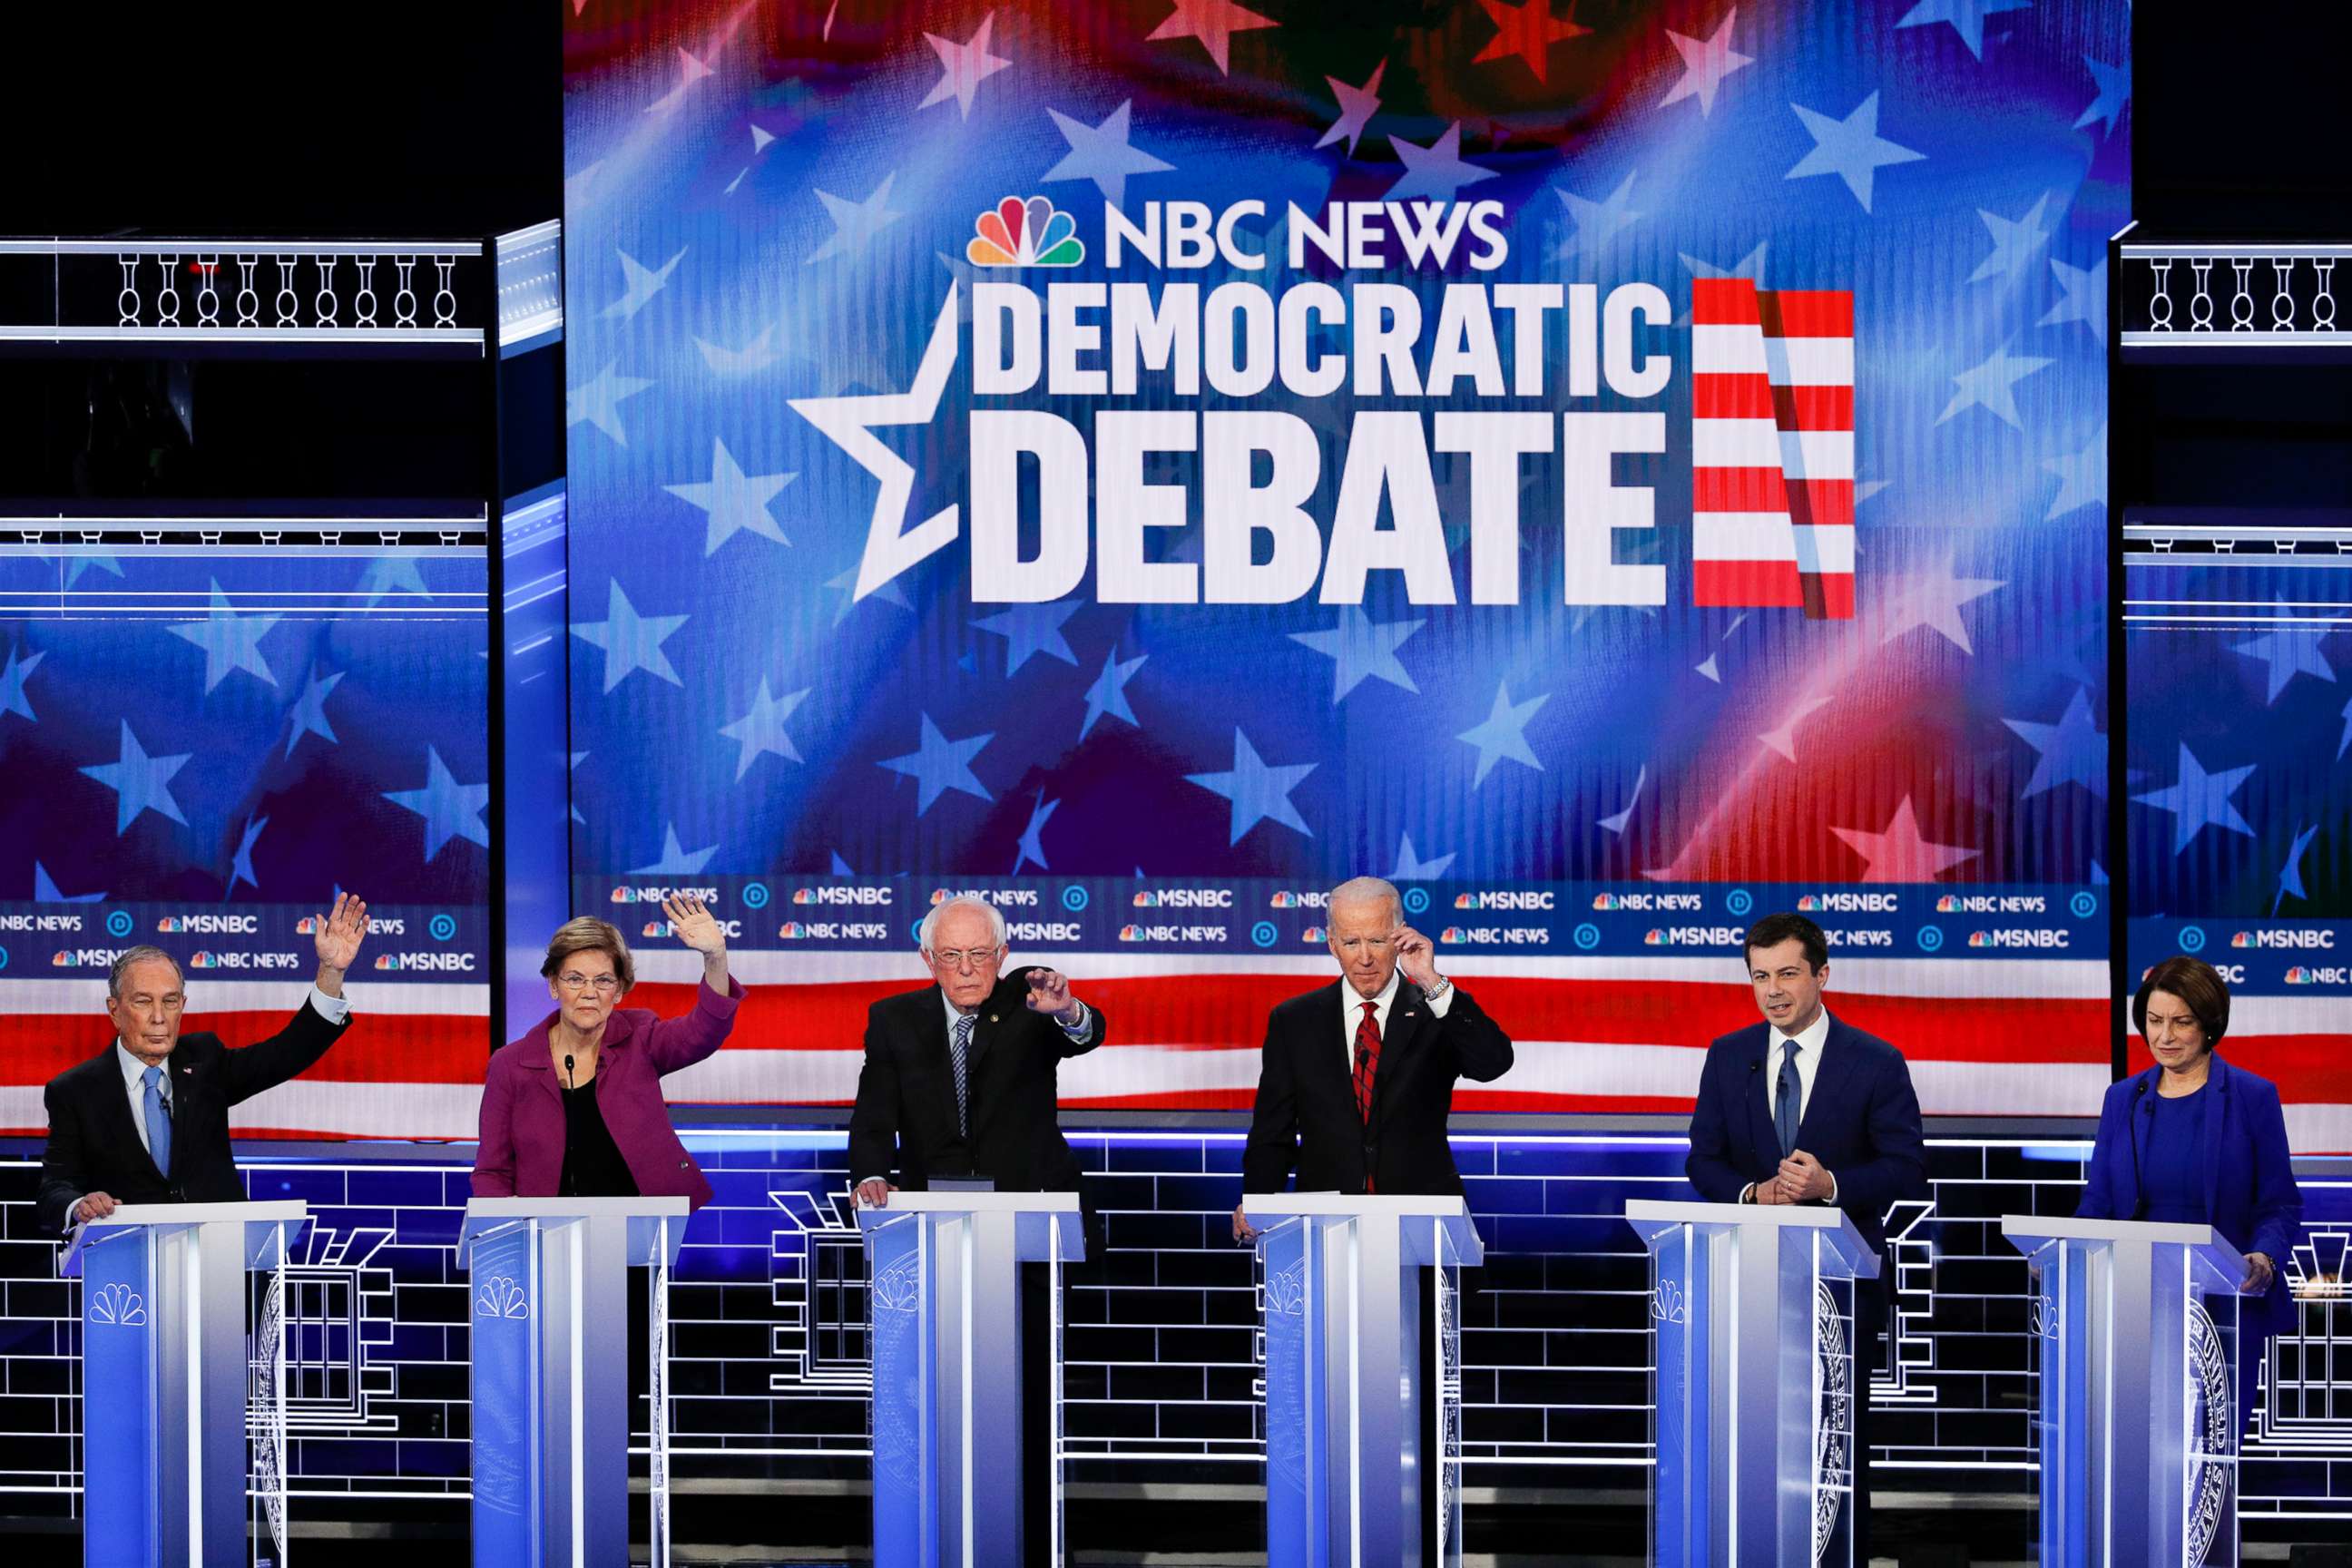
(1364,889)
(962,900)
(139,955)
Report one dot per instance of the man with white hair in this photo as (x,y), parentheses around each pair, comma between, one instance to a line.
(1358,1078)
(960,1076)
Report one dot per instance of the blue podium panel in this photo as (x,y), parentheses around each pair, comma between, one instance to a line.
(551,1374)
(1757,1380)
(945,1302)
(2137,1327)
(1361,1457)
(170,1382)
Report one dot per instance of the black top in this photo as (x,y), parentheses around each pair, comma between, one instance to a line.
(592,1166)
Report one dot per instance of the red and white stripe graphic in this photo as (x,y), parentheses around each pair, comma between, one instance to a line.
(1772,447)
(1598,1035)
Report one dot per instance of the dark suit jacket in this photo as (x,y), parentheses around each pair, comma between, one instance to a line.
(1862,1124)
(905,1119)
(94,1145)
(1305,1111)
(2250,1196)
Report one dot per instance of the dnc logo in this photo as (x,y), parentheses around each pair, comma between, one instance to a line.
(1025,233)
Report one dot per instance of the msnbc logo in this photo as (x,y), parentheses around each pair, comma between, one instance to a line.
(803,895)
(1654,937)
(656,928)
(1312,934)
(1808,902)
(1979,939)
(1025,233)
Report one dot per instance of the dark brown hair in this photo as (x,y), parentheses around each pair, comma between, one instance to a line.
(1774,930)
(588,934)
(2196,982)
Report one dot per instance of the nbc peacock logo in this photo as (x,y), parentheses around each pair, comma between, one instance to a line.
(1015,233)
(1948,904)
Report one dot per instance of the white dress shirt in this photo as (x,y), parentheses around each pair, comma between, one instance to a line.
(1809,1040)
(1352,1015)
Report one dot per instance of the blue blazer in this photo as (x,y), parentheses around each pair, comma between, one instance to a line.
(1862,1124)
(2250,1192)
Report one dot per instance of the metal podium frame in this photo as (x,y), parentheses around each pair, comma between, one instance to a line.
(1746,1401)
(1346,1412)
(167,1380)
(550,1353)
(943,1295)
(2139,1421)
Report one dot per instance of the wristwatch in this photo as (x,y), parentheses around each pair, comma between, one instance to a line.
(1432,992)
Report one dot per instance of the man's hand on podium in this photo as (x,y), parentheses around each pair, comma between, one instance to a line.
(1243,1234)
(1766,1192)
(1803,1180)
(875,1192)
(98,1205)
(2258,1274)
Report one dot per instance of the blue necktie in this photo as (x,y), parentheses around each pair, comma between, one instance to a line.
(159,1121)
(1787,1107)
(958,1046)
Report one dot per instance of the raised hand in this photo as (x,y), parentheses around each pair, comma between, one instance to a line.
(338,937)
(1416,957)
(692,922)
(1049,992)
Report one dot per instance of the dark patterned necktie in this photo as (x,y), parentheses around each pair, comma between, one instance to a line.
(1788,1106)
(1368,1060)
(960,1050)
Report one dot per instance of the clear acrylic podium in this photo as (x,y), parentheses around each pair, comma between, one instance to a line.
(165,1370)
(1358,1454)
(2136,1326)
(943,1291)
(551,1374)
(1756,1381)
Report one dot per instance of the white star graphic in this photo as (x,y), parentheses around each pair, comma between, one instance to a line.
(755,355)
(231,642)
(1259,793)
(761,732)
(450,810)
(598,401)
(644,283)
(2199,799)
(1361,650)
(2014,245)
(1900,854)
(1851,149)
(691,69)
(1107,698)
(1412,867)
(141,782)
(1988,387)
(677,860)
(1706,62)
(964,68)
(2082,477)
(630,641)
(1504,732)
(1933,599)
(1357,106)
(2115,92)
(1437,171)
(855,224)
(1597,222)
(1102,153)
(737,503)
(1214,23)
(2084,297)
(1966,17)
(890,546)
(939,765)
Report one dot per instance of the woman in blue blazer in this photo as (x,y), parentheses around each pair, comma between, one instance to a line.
(2196,1140)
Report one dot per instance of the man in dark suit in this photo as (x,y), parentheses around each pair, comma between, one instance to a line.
(960,1076)
(1801,1108)
(146,1119)
(1357,1078)
(959,1080)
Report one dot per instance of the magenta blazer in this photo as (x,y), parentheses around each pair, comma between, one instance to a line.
(522,1104)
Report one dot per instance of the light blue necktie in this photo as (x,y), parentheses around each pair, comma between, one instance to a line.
(961,1045)
(1786,1106)
(159,1121)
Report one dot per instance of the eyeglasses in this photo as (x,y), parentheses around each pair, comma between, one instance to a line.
(606,985)
(953,958)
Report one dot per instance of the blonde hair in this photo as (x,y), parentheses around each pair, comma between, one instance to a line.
(588,934)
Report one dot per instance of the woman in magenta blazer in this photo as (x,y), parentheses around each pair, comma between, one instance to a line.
(574,1108)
